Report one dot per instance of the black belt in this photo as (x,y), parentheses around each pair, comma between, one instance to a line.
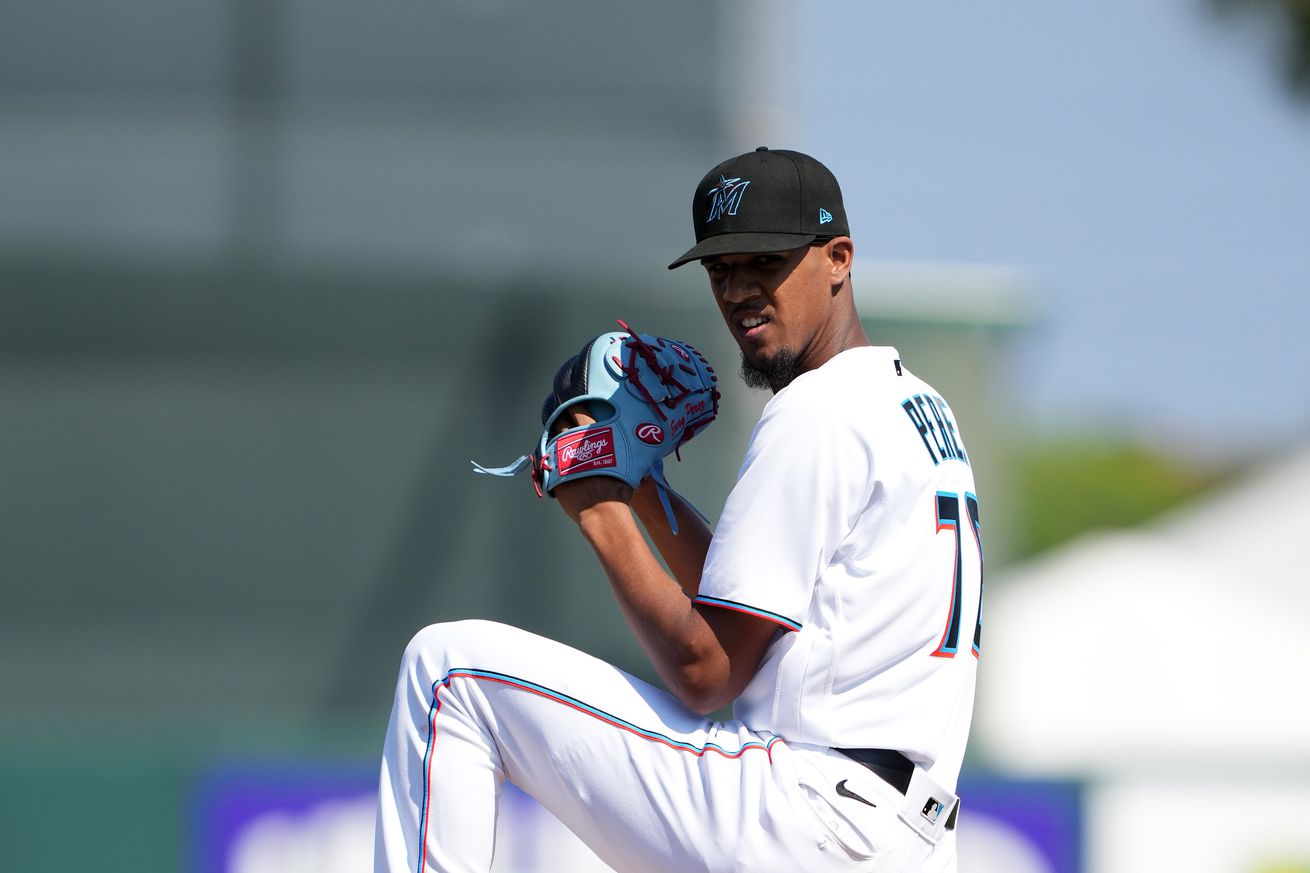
(893,768)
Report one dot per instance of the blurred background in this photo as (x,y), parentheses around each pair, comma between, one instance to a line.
(273,271)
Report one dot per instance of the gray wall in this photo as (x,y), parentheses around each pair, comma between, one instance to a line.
(437,135)
(270,274)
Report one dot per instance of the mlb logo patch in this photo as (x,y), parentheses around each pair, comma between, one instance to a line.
(932,810)
(587,450)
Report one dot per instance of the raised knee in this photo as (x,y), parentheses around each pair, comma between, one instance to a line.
(451,639)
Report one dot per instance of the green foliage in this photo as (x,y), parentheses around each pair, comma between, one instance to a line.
(1068,487)
(1291,25)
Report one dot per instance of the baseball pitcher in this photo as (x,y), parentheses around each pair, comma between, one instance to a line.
(836,605)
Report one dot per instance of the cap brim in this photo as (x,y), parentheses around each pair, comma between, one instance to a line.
(744,244)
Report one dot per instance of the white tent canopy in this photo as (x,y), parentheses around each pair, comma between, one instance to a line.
(1180,644)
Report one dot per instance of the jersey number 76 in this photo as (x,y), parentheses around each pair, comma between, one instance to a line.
(948,518)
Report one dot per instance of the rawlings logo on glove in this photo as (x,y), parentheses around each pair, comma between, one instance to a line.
(649,396)
(650,434)
(591,449)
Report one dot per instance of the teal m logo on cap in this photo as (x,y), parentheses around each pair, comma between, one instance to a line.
(725,198)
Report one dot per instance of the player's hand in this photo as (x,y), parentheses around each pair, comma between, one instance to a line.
(599,492)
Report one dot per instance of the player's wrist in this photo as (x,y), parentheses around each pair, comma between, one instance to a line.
(602,519)
(646,495)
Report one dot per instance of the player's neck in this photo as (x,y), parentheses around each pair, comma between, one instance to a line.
(847,333)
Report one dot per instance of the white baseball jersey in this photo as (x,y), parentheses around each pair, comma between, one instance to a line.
(854,525)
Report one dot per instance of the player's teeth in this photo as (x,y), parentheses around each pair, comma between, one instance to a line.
(748,323)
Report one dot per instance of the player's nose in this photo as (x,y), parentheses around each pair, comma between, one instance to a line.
(739,287)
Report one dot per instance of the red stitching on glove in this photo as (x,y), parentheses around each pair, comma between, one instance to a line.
(648,354)
(540,464)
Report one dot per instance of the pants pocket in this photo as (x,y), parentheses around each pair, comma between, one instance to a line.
(854,806)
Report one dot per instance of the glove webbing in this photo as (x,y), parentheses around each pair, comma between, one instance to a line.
(640,346)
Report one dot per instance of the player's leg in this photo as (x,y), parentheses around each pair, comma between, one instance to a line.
(647,784)
(468,776)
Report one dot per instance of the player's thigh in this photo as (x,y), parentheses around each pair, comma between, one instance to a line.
(644,781)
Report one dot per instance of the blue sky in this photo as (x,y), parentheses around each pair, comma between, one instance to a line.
(1138,161)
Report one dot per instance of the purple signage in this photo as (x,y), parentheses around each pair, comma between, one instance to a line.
(1020,826)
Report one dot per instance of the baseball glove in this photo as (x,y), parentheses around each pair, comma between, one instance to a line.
(649,396)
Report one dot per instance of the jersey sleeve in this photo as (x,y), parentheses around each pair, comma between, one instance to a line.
(805,479)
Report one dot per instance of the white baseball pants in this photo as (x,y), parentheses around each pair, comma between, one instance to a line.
(649,785)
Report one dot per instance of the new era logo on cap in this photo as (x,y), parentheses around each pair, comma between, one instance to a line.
(824,216)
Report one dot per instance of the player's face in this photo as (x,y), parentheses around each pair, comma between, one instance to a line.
(777,305)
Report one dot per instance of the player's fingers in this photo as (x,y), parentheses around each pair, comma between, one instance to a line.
(575,416)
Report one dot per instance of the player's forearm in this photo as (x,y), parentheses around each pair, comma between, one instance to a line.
(680,644)
(685,551)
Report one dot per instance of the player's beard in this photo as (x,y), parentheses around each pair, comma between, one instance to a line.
(774,373)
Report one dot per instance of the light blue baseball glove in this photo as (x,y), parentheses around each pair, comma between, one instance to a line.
(649,396)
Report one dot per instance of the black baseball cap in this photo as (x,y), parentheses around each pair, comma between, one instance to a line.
(764,201)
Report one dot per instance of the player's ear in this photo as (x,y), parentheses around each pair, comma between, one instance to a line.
(841,255)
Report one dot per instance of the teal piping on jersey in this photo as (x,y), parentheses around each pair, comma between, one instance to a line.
(748,610)
(572,703)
